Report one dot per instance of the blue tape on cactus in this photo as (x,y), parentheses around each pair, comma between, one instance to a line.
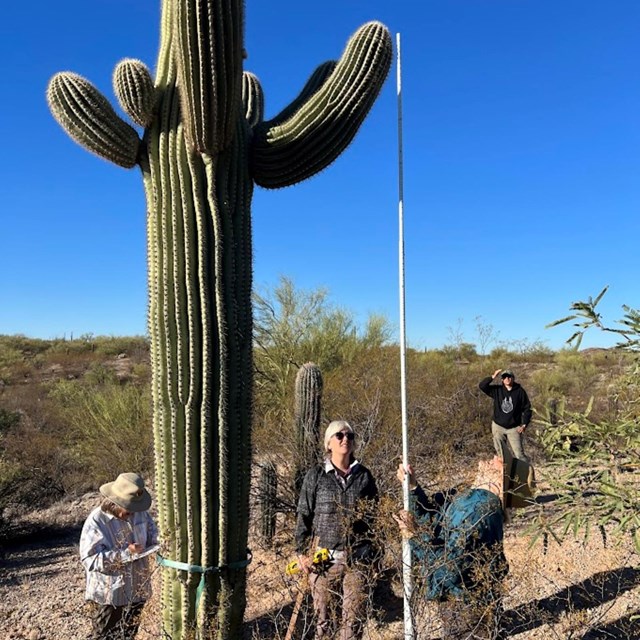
(194,568)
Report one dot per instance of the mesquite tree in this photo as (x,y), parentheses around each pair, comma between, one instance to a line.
(204,144)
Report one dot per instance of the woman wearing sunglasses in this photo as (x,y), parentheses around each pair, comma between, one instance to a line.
(334,510)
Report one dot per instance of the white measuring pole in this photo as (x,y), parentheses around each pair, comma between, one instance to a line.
(406,548)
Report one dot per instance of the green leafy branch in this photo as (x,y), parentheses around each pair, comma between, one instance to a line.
(586,316)
(593,476)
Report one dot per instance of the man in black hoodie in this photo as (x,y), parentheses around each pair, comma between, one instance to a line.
(511,411)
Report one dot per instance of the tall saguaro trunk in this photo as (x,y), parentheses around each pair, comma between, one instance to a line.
(205,144)
(199,250)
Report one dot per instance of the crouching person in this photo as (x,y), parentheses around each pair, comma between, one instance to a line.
(456,540)
(113,537)
(334,511)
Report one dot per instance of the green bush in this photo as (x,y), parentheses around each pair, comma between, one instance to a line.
(293,326)
(99,374)
(115,345)
(536,352)
(594,459)
(22,344)
(8,419)
(33,460)
(518,351)
(572,377)
(109,425)
(463,352)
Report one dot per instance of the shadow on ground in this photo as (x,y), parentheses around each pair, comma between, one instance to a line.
(35,550)
(598,589)
(37,534)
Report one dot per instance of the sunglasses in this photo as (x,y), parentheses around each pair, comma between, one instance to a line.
(341,435)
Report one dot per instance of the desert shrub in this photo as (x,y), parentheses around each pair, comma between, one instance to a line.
(463,352)
(16,355)
(15,349)
(50,433)
(449,415)
(363,392)
(573,375)
(22,344)
(22,357)
(9,356)
(83,344)
(109,424)
(133,346)
(446,413)
(501,354)
(98,374)
(32,462)
(580,370)
(9,476)
(141,371)
(293,326)
(551,383)
(9,470)
(536,352)
(31,487)
(518,351)
(594,460)
(8,419)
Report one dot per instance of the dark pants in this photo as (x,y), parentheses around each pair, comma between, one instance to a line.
(115,623)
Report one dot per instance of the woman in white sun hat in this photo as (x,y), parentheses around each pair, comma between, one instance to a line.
(114,538)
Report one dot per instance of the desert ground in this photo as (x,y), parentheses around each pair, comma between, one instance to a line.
(575,590)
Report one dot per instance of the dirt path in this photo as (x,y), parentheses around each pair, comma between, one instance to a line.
(41,588)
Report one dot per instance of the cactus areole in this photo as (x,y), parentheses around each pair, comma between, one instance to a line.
(204,144)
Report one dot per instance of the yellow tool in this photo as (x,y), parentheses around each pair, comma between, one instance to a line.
(320,558)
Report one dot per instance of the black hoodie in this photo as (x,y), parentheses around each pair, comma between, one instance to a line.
(510,408)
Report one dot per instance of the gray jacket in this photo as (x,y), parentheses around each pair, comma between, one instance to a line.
(330,511)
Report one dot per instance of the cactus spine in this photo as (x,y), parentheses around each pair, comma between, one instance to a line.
(307,414)
(205,143)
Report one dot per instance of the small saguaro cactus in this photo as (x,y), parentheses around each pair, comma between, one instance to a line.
(267,501)
(307,415)
(204,145)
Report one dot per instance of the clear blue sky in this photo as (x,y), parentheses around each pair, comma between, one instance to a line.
(522,167)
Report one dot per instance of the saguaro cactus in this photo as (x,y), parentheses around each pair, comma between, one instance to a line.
(267,500)
(204,145)
(307,414)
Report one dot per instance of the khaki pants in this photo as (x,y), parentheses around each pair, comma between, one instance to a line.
(344,586)
(500,435)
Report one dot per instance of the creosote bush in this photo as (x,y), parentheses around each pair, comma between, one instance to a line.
(109,423)
(55,396)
